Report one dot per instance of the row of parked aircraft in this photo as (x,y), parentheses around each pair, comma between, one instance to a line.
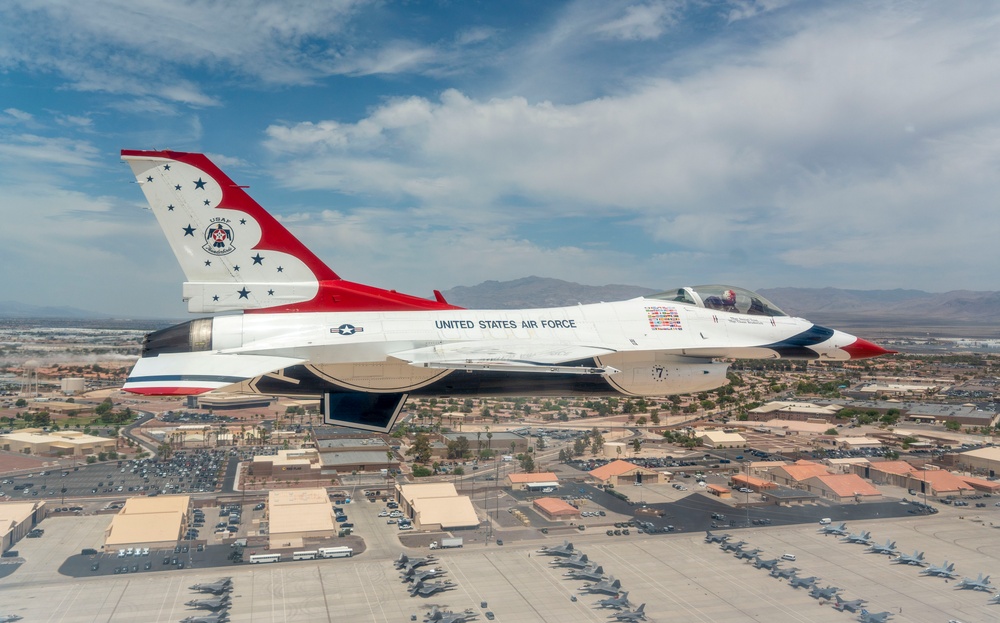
(829,593)
(218,604)
(582,568)
(946,570)
(412,571)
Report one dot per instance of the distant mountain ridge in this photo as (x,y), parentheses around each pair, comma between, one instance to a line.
(537,292)
(13,309)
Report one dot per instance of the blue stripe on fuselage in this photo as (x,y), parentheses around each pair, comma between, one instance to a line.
(797,346)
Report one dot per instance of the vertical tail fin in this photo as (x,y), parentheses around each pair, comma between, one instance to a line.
(234,254)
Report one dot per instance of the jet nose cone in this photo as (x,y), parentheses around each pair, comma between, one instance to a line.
(863,349)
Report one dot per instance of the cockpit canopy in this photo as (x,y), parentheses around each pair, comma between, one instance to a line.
(723,298)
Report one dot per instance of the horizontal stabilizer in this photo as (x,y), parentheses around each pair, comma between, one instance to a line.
(184,374)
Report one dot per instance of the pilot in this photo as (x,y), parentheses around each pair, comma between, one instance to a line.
(725,302)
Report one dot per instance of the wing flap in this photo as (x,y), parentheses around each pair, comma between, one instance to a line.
(500,356)
(184,374)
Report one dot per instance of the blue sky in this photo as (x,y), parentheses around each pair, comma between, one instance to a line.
(421,145)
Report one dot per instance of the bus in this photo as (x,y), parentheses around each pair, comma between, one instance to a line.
(335,552)
(306,555)
(256,558)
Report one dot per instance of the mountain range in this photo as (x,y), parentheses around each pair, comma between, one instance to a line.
(875,309)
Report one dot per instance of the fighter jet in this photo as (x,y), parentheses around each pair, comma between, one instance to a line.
(917,559)
(566,549)
(994,599)
(214,604)
(10,618)
(304,330)
(823,593)
(608,586)
(447,616)
(578,560)
(863,538)
(426,589)
(873,617)
(406,563)
(851,606)
(618,603)
(592,573)
(889,548)
(840,530)
(716,538)
(419,576)
(783,574)
(979,584)
(944,571)
(732,547)
(218,617)
(630,615)
(765,564)
(797,582)
(223,585)
(748,554)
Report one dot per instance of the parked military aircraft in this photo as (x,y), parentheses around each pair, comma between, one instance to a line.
(944,571)
(218,617)
(979,584)
(405,563)
(426,589)
(566,549)
(214,604)
(729,546)
(840,530)
(447,616)
(305,331)
(863,538)
(578,560)
(765,564)
(749,554)
(10,618)
(716,538)
(783,574)
(217,587)
(619,602)
(823,593)
(873,617)
(889,548)
(419,576)
(917,559)
(797,582)
(630,615)
(851,606)
(608,586)
(591,573)
(994,599)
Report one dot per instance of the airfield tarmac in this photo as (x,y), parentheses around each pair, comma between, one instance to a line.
(678,576)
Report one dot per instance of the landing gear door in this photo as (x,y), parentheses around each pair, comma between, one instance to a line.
(371,412)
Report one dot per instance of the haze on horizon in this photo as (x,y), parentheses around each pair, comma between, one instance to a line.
(764,143)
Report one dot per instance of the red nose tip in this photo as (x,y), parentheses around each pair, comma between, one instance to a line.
(863,349)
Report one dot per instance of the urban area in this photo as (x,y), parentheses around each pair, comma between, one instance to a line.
(828,491)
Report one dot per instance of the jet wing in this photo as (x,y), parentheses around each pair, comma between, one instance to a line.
(507,357)
(183,374)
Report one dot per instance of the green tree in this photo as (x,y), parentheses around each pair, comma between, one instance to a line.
(421,448)
(527,463)
(830,431)
(459,448)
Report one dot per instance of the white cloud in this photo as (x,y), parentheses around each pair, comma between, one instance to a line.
(641,21)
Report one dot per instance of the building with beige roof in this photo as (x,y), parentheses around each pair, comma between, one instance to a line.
(721,439)
(156,522)
(297,514)
(555,509)
(17,519)
(791,475)
(801,411)
(842,488)
(436,506)
(59,443)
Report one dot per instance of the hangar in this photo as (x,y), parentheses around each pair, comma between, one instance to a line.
(155,523)
(297,514)
(436,506)
(17,519)
(555,509)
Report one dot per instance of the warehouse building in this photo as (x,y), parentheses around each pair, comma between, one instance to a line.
(153,522)
(624,473)
(555,509)
(721,439)
(297,514)
(17,519)
(436,506)
(842,488)
(539,481)
(59,443)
